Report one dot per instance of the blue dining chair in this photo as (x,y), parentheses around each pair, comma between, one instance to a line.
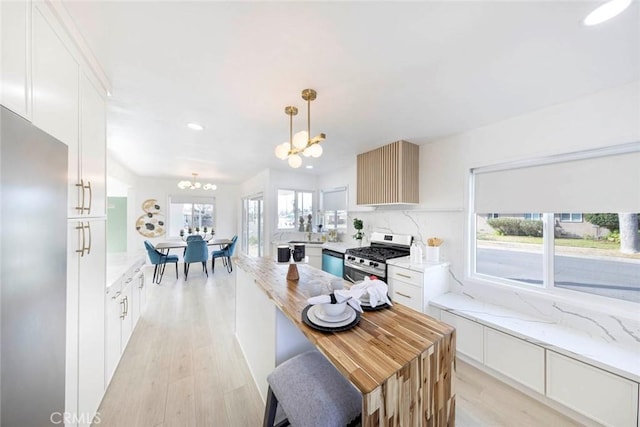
(196,251)
(159,260)
(225,253)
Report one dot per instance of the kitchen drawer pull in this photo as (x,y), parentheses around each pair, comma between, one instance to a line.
(116,295)
(81,207)
(129,280)
(404,275)
(404,295)
(126,306)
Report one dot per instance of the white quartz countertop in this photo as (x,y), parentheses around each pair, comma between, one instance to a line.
(405,262)
(119,263)
(573,343)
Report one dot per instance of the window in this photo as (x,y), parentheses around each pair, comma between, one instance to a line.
(188,212)
(294,205)
(333,203)
(533,216)
(584,250)
(570,217)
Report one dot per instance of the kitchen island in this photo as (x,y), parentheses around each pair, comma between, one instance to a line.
(402,361)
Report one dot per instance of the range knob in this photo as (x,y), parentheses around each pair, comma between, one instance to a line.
(361,261)
(351,258)
(373,264)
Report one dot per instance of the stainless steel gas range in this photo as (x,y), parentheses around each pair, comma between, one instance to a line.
(372,260)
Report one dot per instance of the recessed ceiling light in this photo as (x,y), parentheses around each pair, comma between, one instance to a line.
(309,167)
(606,11)
(195,126)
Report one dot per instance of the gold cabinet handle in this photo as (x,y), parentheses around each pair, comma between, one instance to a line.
(81,185)
(404,275)
(116,295)
(80,229)
(88,227)
(126,306)
(122,313)
(141,282)
(88,187)
(401,294)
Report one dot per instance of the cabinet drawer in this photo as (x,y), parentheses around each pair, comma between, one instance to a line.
(607,398)
(407,294)
(405,275)
(469,335)
(515,358)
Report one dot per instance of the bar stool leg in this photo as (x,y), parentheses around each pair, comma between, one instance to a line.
(270,409)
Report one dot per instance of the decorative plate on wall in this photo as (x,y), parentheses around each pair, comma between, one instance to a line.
(151,223)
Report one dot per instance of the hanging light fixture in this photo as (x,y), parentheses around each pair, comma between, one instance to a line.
(194,185)
(300,143)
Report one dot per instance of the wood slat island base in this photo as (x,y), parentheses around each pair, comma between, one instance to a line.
(402,361)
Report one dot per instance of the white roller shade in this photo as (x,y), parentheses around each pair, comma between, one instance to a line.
(334,200)
(595,181)
(185,198)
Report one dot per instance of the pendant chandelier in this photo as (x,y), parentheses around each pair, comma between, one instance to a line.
(301,142)
(194,185)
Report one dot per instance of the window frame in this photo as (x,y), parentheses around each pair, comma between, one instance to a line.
(548,288)
(193,200)
(296,214)
(335,211)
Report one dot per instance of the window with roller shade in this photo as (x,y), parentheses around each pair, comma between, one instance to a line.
(334,207)
(190,212)
(566,221)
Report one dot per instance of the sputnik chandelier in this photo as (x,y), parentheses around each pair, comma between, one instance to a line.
(301,142)
(194,185)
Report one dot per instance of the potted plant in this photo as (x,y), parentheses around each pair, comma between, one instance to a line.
(357,224)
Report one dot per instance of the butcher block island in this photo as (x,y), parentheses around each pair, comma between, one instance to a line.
(402,361)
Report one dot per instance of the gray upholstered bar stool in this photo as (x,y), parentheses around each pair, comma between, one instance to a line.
(312,393)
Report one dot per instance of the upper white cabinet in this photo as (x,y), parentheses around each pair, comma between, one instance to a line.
(15,24)
(88,196)
(55,75)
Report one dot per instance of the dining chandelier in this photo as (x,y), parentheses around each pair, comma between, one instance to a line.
(193,185)
(301,142)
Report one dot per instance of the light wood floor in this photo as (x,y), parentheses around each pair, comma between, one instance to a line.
(183,367)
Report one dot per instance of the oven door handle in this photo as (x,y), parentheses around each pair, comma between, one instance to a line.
(349,278)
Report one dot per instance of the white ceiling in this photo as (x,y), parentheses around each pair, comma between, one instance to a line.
(383,71)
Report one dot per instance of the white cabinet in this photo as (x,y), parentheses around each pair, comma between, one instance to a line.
(125,302)
(314,252)
(86,269)
(55,83)
(88,162)
(515,358)
(469,336)
(604,397)
(415,289)
(15,25)
(255,328)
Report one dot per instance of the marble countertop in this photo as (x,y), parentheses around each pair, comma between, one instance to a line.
(405,262)
(119,263)
(573,343)
(334,246)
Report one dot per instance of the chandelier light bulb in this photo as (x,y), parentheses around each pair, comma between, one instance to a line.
(282,150)
(295,161)
(300,139)
(316,150)
(307,151)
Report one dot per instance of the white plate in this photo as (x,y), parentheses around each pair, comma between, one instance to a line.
(311,314)
(322,315)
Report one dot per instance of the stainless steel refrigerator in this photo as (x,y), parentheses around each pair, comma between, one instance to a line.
(33,272)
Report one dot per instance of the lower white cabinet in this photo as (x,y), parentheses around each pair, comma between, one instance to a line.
(515,358)
(255,328)
(415,288)
(125,302)
(469,336)
(85,341)
(314,252)
(602,396)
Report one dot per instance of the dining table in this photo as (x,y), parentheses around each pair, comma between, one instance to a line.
(167,245)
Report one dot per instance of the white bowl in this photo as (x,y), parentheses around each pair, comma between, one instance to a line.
(333,310)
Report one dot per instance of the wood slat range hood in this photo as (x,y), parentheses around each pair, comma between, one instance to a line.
(388,175)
